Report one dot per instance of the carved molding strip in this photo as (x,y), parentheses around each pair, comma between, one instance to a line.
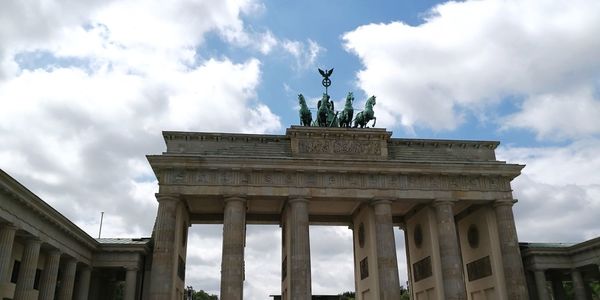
(334,180)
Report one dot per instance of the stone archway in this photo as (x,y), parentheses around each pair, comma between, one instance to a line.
(435,189)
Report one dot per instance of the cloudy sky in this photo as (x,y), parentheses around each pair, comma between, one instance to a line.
(87,86)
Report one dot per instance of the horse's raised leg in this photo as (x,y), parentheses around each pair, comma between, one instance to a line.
(374,121)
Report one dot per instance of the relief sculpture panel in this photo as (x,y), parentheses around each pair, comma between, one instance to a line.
(343,147)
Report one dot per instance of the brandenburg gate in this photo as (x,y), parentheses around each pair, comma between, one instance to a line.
(452,198)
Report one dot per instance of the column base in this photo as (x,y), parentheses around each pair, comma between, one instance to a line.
(7,290)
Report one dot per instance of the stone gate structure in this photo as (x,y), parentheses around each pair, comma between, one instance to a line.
(453,199)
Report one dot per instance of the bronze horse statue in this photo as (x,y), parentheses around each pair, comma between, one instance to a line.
(326,116)
(346,115)
(363,117)
(305,114)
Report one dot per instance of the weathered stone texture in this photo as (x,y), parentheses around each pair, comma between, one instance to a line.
(232,261)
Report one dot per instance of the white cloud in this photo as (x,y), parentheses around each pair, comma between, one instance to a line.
(470,55)
(111,77)
(79,140)
(569,114)
(558,192)
(267,42)
(304,54)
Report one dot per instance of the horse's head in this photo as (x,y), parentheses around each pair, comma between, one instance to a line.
(301,99)
(371,100)
(350,98)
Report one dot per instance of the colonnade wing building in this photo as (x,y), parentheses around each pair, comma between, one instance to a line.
(43,255)
(453,200)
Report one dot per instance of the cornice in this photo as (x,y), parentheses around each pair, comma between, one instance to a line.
(20,193)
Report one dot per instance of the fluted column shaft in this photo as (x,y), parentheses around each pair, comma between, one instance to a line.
(49,275)
(29,262)
(512,263)
(299,273)
(67,280)
(163,259)
(83,289)
(578,285)
(387,264)
(7,237)
(451,261)
(234,235)
(130,283)
(540,284)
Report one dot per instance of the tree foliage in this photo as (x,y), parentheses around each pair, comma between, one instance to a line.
(404,295)
(202,295)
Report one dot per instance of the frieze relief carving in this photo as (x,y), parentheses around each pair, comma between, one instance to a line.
(334,180)
(344,147)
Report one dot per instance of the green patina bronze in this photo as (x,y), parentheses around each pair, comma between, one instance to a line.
(363,117)
(348,112)
(305,114)
(327,116)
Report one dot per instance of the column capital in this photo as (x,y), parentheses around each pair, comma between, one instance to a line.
(296,199)
(71,260)
(7,225)
(132,268)
(33,240)
(504,202)
(443,201)
(54,252)
(86,267)
(160,197)
(375,202)
(234,197)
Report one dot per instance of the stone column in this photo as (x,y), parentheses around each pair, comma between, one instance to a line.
(558,290)
(299,272)
(452,269)
(7,237)
(578,285)
(540,284)
(49,275)
(83,284)
(387,264)
(164,261)
(130,283)
(29,262)
(67,280)
(512,263)
(232,262)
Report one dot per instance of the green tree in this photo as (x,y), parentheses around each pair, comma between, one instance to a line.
(595,286)
(202,295)
(404,293)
